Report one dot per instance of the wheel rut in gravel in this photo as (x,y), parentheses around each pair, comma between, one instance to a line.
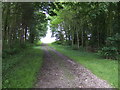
(59,71)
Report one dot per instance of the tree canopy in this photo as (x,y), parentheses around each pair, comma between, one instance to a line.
(73,23)
(23,22)
(86,24)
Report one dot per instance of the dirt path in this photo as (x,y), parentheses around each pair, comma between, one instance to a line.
(59,71)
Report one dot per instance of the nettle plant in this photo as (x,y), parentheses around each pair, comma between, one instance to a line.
(112,48)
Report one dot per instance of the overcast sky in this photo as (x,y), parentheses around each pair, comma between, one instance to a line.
(48,38)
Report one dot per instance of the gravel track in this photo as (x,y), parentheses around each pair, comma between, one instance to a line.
(59,71)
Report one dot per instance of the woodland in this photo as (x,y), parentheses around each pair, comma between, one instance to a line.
(93,26)
(90,26)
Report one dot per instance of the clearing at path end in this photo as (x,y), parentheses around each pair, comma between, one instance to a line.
(59,71)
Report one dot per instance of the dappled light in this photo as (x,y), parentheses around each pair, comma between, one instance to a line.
(60,44)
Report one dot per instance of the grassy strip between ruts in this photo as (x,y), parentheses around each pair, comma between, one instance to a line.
(103,68)
(21,69)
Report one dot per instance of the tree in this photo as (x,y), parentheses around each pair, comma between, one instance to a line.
(22,23)
(86,24)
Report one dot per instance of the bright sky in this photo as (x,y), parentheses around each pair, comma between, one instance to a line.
(48,38)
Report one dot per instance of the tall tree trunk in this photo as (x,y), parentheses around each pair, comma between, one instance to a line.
(72,34)
(14,35)
(31,37)
(118,15)
(110,17)
(98,34)
(10,38)
(72,39)
(22,36)
(6,23)
(82,38)
(78,39)
(25,32)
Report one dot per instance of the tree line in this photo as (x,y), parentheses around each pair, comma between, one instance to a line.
(90,25)
(22,23)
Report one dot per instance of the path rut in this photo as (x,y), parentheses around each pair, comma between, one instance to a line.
(59,71)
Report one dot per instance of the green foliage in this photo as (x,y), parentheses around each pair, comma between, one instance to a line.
(60,42)
(22,23)
(20,70)
(38,43)
(114,41)
(75,47)
(111,50)
(86,24)
(57,42)
(8,52)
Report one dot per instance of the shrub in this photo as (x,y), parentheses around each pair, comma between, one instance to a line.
(111,50)
(16,48)
(75,47)
(57,42)
(9,52)
(38,43)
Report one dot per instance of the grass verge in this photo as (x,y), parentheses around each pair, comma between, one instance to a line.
(20,70)
(103,68)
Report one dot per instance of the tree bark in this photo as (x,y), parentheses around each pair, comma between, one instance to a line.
(77,39)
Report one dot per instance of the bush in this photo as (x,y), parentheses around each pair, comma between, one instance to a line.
(15,49)
(75,47)
(9,52)
(38,43)
(57,42)
(111,50)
